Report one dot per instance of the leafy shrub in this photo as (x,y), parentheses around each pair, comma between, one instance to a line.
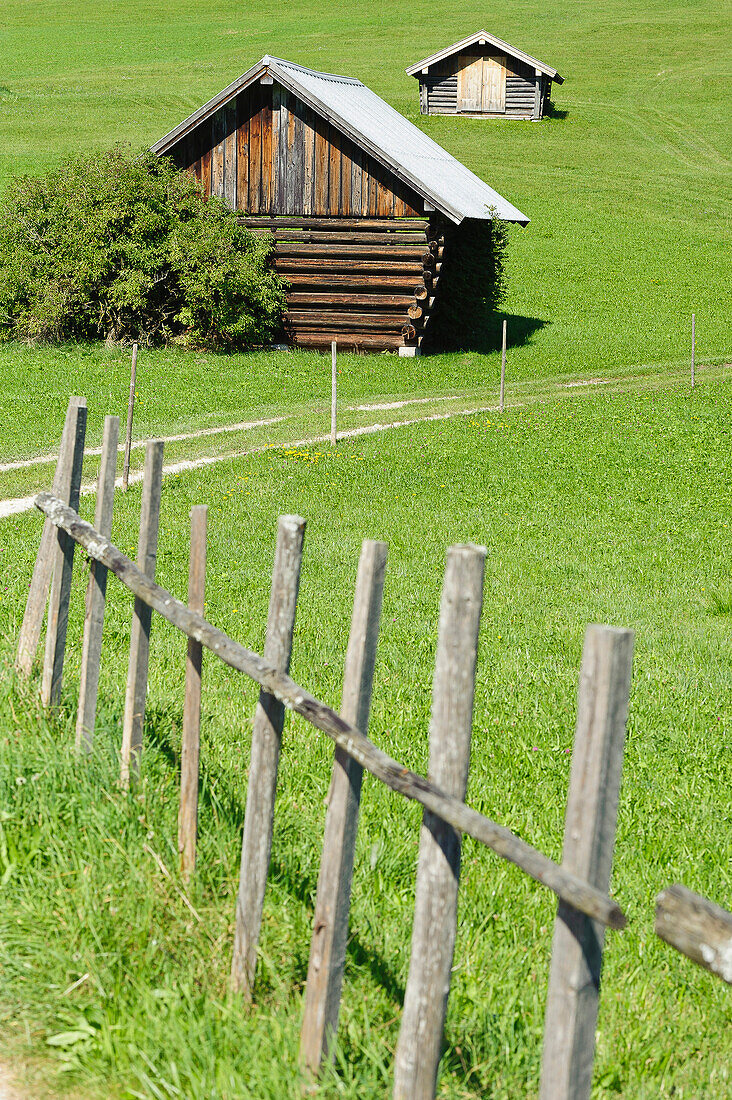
(127,248)
(472,286)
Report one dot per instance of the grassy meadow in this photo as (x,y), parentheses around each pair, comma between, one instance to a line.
(610,504)
(604,507)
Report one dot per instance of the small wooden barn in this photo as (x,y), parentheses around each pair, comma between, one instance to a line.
(364,207)
(485,77)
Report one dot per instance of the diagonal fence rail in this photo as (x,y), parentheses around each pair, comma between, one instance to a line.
(567,886)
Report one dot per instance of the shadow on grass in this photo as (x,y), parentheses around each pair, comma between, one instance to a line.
(720,603)
(161,723)
(550,111)
(519,331)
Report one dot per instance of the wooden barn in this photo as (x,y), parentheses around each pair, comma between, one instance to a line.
(364,207)
(484,77)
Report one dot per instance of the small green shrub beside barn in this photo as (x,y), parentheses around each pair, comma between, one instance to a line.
(124,247)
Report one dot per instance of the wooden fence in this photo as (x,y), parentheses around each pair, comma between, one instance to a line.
(580,882)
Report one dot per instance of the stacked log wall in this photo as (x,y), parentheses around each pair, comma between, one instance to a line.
(351,238)
(368,283)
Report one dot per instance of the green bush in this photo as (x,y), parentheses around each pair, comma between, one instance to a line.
(126,247)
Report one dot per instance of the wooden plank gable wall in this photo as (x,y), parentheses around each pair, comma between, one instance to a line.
(361,256)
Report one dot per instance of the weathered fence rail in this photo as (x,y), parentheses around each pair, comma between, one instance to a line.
(696,927)
(580,882)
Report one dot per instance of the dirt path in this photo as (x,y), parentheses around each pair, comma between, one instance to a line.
(531,391)
(223,429)
(25,504)
(7,1089)
(246,425)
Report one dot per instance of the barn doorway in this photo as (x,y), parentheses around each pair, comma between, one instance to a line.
(481,84)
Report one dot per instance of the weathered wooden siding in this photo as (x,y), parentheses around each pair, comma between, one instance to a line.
(268,153)
(439,87)
(520,88)
(352,240)
(441,93)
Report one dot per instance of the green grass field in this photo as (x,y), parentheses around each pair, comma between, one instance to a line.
(610,505)
(610,508)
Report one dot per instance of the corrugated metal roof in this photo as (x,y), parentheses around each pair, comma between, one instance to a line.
(473,39)
(389,137)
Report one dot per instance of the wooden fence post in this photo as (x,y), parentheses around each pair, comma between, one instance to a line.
(698,928)
(130,414)
(266,740)
(35,607)
(147,549)
(589,838)
(503,366)
(63,563)
(438,871)
(330,923)
(91,652)
(190,749)
(333,391)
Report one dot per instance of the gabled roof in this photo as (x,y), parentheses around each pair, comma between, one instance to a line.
(483,36)
(374,126)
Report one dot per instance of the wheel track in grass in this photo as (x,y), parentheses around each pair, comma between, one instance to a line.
(223,429)
(552,389)
(25,504)
(243,426)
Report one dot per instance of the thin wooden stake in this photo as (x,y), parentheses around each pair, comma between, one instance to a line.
(266,740)
(438,871)
(35,607)
(693,346)
(330,926)
(503,366)
(190,750)
(63,563)
(130,414)
(333,390)
(589,838)
(91,653)
(147,549)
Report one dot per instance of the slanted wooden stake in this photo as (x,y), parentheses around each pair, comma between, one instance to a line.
(147,549)
(438,871)
(589,838)
(503,366)
(266,740)
(190,750)
(333,390)
(693,346)
(330,927)
(696,927)
(63,562)
(91,652)
(35,607)
(130,414)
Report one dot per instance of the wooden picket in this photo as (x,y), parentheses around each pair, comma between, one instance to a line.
(91,653)
(190,743)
